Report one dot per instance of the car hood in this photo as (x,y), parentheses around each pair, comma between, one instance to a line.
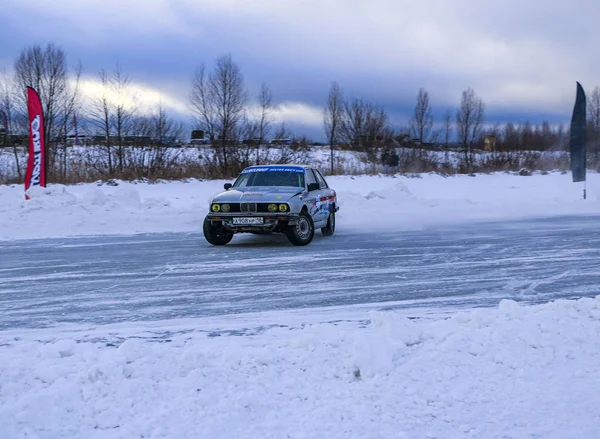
(257,194)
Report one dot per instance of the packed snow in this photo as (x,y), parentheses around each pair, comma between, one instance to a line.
(510,372)
(513,371)
(367,202)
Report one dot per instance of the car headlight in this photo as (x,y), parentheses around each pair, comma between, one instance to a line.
(283,207)
(225,207)
(272,207)
(215,208)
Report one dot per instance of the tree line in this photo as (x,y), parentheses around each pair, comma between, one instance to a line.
(113,113)
(222,107)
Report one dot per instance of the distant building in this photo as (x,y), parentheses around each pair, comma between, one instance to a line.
(197,134)
(281,142)
(489,143)
(256,141)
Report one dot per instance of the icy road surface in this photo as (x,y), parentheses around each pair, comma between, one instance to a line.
(99,280)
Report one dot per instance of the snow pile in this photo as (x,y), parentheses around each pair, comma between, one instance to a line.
(367,203)
(514,371)
(90,209)
(403,202)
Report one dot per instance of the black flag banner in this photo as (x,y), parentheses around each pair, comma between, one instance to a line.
(577,140)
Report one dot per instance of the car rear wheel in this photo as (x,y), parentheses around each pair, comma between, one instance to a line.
(329,229)
(303,231)
(216,235)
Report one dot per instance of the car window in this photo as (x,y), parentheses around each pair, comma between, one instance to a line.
(310,177)
(322,181)
(271,178)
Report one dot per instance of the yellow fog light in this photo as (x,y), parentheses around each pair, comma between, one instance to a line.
(216,208)
(272,207)
(225,207)
(283,207)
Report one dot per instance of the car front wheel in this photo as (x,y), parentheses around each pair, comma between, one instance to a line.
(216,235)
(303,231)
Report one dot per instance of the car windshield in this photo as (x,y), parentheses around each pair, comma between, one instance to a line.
(271,178)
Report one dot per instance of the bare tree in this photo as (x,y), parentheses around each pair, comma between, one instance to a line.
(219,102)
(70,104)
(562,138)
(202,103)
(285,153)
(593,106)
(163,128)
(45,69)
(422,121)
(124,109)
(158,158)
(469,123)
(295,151)
(445,135)
(282,132)
(7,114)
(249,130)
(332,117)
(100,115)
(265,101)
(362,124)
(113,113)
(447,129)
(137,158)
(511,137)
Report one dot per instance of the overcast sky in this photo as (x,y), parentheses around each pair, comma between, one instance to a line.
(522,57)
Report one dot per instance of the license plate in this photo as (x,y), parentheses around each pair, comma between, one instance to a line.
(245,221)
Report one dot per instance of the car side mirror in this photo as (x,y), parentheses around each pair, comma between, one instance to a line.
(313,187)
(227,186)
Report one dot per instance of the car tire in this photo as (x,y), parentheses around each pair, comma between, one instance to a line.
(215,235)
(303,231)
(329,229)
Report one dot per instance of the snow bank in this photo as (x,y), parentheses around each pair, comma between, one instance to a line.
(515,371)
(92,209)
(367,203)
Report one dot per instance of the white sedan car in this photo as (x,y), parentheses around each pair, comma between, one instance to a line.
(290,199)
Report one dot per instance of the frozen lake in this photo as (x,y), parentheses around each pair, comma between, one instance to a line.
(98,280)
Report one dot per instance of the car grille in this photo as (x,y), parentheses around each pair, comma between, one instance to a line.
(247,207)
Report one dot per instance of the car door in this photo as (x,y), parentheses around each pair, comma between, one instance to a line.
(327,195)
(313,198)
(323,201)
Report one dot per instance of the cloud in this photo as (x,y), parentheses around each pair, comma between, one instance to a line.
(143,97)
(522,58)
(298,113)
(91,19)
(299,116)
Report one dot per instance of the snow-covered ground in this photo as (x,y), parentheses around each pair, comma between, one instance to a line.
(513,371)
(366,203)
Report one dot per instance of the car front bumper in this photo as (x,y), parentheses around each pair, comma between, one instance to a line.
(270,221)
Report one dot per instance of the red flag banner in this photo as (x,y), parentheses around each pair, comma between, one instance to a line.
(36,165)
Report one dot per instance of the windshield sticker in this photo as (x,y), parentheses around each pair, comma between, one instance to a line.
(273,169)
